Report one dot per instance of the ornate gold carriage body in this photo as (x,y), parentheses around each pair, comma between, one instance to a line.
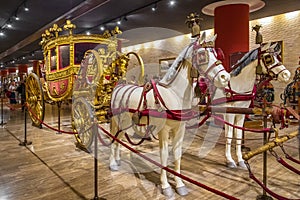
(81,67)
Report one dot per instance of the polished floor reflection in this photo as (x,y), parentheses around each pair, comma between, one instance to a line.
(53,168)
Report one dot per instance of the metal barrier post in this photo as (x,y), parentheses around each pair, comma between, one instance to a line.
(58,107)
(2,115)
(264,196)
(298,94)
(95,131)
(25,142)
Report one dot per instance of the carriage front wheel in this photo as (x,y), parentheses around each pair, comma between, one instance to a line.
(35,99)
(83,120)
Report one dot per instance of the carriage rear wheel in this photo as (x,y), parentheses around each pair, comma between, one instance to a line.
(35,99)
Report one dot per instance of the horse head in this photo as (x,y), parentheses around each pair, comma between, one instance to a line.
(207,60)
(270,61)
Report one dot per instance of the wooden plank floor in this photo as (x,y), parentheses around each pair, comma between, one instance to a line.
(52,168)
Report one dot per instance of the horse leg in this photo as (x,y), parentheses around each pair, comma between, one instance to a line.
(114,160)
(177,152)
(239,135)
(164,154)
(228,134)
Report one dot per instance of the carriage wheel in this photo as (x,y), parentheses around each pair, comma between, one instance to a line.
(35,99)
(82,112)
(94,69)
(141,79)
(83,121)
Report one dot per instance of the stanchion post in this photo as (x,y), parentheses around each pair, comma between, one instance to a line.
(25,142)
(2,96)
(298,94)
(58,113)
(264,196)
(95,131)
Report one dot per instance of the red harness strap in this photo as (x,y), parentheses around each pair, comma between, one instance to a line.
(235,96)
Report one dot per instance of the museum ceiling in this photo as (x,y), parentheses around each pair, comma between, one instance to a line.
(139,23)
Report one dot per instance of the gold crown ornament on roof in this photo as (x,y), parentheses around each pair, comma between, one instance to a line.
(53,34)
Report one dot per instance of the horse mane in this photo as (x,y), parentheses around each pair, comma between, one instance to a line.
(244,61)
(172,72)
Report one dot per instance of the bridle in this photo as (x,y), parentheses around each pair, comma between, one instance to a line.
(200,59)
(266,59)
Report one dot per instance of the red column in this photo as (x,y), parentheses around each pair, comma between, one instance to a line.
(232,27)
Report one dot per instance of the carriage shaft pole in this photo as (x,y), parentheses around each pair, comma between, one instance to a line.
(269,145)
(237,110)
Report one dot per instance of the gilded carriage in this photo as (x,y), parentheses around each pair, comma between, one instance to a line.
(79,66)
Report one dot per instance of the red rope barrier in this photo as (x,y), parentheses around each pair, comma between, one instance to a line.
(292,159)
(242,128)
(54,129)
(168,169)
(265,188)
(283,163)
(288,156)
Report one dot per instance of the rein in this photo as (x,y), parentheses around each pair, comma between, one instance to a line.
(265,188)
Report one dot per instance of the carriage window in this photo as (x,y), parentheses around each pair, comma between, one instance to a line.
(64,56)
(53,60)
(80,49)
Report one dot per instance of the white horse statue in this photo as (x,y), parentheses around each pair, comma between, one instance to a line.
(163,101)
(241,91)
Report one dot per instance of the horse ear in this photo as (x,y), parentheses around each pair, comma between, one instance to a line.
(214,38)
(202,38)
(266,46)
(276,47)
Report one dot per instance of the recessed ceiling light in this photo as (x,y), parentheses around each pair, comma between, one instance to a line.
(172,3)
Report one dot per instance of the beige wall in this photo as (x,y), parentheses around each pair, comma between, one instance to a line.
(284,27)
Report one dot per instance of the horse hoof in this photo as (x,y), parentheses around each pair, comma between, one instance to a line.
(231,165)
(242,165)
(168,192)
(182,191)
(114,168)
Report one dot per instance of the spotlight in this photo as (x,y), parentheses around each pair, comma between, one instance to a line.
(26,7)
(171,3)
(17,18)
(154,7)
(119,22)
(102,28)
(1,33)
(8,25)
